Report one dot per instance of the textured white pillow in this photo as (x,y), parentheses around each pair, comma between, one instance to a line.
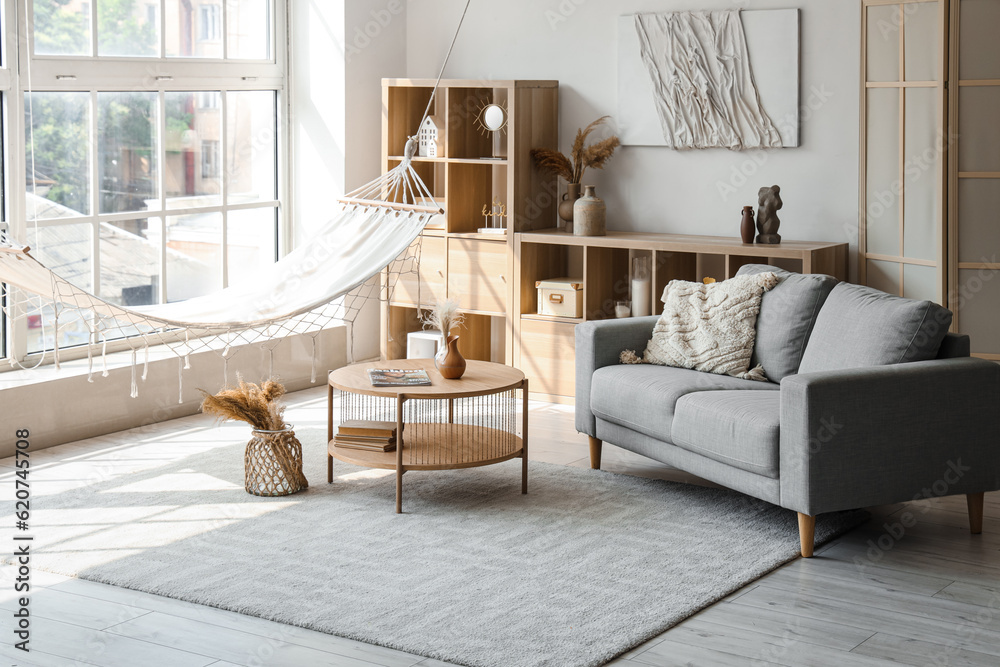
(710,328)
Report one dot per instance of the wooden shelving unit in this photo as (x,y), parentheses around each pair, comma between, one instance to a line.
(494,277)
(546,349)
(456,261)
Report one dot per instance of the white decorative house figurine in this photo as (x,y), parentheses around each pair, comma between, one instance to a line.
(429,144)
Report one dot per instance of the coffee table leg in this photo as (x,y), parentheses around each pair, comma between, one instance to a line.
(524,438)
(329,432)
(400,399)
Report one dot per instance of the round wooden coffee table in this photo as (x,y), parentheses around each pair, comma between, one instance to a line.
(448,424)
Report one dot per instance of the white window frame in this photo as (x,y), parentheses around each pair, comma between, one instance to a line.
(151,74)
(8,43)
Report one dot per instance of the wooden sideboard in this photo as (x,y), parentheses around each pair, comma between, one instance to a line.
(544,346)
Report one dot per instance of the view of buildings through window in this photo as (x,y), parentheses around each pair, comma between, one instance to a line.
(147,192)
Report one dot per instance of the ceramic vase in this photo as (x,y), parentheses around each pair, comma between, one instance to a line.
(566,205)
(449,361)
(747,227)
(590,214)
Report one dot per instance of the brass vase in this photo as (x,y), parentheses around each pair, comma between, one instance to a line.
(449,361)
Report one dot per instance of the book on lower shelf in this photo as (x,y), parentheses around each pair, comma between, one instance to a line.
(398,377)
(370,435)
(368,427)
(367,444)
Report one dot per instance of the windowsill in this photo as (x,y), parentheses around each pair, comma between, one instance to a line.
(60,406)
(77,367)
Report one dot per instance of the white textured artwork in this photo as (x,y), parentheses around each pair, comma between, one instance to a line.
(709,79)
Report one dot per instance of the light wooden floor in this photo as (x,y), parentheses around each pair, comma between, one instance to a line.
(928,596)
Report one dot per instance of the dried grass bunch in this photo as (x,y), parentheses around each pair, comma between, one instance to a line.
(594,155)
(254,404)
(444,317)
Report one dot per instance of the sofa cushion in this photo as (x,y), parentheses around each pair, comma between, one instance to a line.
(738,428)
(642,397)
(787,315)
(861,326)
(711,327)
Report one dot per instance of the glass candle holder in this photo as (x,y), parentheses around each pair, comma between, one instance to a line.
(642,301)
(623,309)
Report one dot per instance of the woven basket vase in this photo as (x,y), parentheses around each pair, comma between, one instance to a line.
(274,464)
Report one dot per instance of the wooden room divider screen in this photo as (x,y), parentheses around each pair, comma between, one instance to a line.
(930,158)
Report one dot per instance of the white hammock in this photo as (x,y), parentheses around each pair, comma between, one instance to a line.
(323,281)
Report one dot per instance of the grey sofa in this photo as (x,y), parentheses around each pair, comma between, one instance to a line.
(870,401)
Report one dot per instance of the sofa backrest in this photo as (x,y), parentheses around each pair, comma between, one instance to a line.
(788,313)
(955,346)
(860,326)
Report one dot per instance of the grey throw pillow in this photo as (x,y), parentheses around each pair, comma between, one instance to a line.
(861,326)
(787,315)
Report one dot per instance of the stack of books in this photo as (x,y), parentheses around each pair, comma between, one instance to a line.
(373,436)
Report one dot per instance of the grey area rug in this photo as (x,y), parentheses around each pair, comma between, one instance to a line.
(584,567)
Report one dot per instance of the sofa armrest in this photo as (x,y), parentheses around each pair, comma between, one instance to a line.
(598,344)
(873,436)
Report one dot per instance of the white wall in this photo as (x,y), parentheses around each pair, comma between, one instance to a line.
(339,54)
(657,189)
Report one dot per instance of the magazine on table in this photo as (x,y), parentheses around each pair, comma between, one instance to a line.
(397,377)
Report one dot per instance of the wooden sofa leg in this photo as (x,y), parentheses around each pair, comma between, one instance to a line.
(975,502)
(807,534)
(595,453)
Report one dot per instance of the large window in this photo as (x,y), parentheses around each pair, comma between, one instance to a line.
(150,148)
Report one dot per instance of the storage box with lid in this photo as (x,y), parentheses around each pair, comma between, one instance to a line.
(560,297)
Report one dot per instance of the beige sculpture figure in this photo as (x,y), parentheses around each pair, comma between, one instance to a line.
(769,200)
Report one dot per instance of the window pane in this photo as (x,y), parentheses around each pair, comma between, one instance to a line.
(130,263)
(127,128)
(67,250)
(128,28)
(249,29)
(193,123)
(194,255)
(62,27)
(250,237)
(193,30)
(57,154)
(251,146)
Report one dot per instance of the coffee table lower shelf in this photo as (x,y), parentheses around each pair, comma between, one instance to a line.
(439,447)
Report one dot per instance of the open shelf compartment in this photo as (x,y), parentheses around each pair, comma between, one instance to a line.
(466,137)
(481,337)
(405,108)
(544,261)
(471,187)
(607,281)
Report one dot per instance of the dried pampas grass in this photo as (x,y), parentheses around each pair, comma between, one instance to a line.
(254,404)
(553,162)
(583,156)
(444,317)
